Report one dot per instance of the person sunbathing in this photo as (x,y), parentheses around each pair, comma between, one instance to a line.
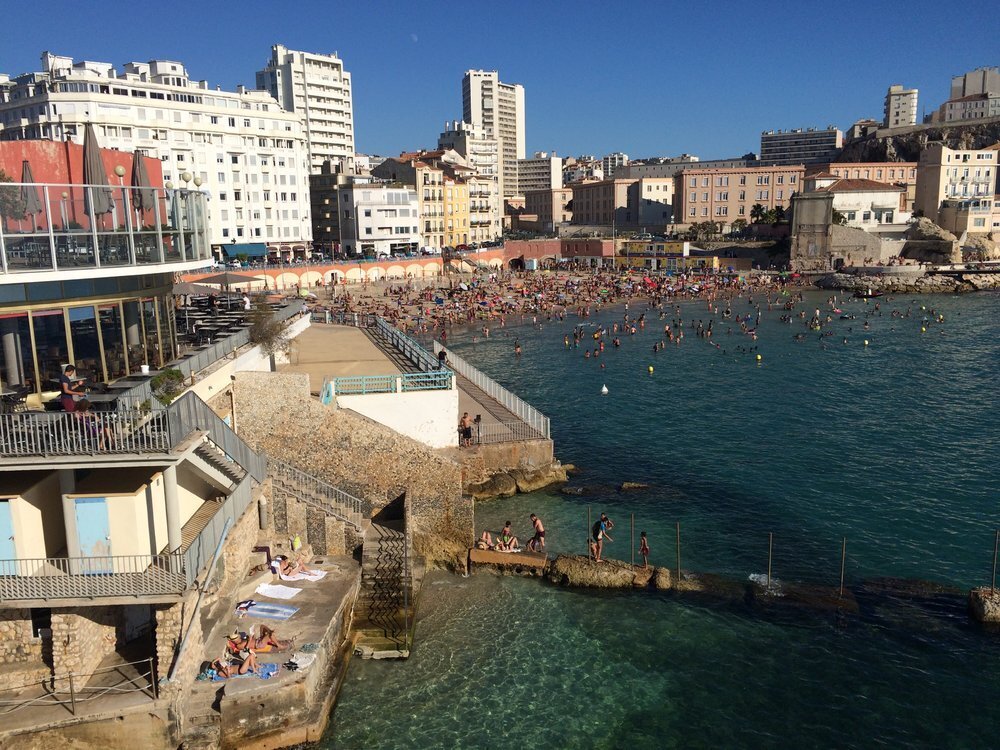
(485,541)
(288,567)
(266,641)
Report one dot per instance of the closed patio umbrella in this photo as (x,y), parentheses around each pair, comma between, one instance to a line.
(29,193)
(143,195)
(98,199)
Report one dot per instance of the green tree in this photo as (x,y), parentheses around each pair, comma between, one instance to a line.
(265,329)
(757,213)
(839,218)
(738,226)
(11,202)
(779,214)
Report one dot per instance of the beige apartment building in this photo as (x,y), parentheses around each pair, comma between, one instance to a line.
(891,173)
(543,171)
(411,170)
(603,202)
(456,211)
(954,184)
(725,195)
(480,152)
(550,207)
(900,107)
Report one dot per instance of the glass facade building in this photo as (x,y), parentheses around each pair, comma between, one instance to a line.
(92,289)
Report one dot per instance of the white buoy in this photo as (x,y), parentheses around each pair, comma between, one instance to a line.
(604,390)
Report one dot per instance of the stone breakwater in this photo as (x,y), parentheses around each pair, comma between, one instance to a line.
(927,284)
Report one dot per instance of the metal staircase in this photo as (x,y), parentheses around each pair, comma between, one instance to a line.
(385,601)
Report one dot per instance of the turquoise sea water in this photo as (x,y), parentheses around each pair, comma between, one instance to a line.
(891,445)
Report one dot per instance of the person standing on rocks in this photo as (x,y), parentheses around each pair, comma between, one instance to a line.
(465,430)
(644,549)
(537,542)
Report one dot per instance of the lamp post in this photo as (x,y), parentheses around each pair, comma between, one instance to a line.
(64,214)
(120,172)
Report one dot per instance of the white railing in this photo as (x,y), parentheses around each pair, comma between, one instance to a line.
(91,577)
(407,346)
(503,432)
(520,409)
(313,490)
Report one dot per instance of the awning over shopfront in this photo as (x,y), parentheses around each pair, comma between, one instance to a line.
(249,249)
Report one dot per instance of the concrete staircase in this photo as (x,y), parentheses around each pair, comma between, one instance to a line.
(214,457)
(384,610)
(313,491)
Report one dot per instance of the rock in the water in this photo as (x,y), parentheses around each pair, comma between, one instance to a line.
(500,484)
(661,579)
(581,571)
(985,605)
(531,480)
(571,490)
(626,486)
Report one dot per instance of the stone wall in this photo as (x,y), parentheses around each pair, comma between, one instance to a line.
(171,623)
(237,556)
(16,644)
(276,414)
(82,637)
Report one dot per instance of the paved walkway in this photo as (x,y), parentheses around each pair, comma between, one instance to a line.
(323,351)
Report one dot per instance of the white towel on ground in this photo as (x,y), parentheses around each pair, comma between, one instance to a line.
(315,575)
(276,591)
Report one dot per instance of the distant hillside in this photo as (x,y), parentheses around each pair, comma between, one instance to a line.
(907,146)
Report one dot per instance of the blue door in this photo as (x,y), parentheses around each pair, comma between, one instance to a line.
(6,532)
(94,534)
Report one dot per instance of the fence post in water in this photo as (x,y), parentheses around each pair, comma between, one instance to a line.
(588,533)
(843,557)
(996,544)
(633,539)
(678,552)
(770,547)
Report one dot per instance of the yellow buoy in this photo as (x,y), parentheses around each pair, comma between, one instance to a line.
(650,369)
(866,342)
(923,329)
(759,358)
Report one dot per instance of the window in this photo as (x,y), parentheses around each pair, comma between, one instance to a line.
(704,182)
(781,179)
(693,182)
(722,195)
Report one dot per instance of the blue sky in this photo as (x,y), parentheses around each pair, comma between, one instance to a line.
(647,78)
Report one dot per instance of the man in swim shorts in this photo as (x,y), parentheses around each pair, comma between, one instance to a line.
(538,540)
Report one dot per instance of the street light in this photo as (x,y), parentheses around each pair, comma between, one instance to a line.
(120,171)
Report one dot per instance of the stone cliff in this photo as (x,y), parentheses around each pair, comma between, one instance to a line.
(908,145)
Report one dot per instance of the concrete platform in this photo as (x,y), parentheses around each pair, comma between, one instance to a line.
(324,351)
(529,560)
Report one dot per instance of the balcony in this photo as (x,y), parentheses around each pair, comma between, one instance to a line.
(50,227)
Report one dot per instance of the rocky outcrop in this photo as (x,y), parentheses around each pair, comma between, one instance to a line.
(583,572)
(984,604)
(929,284)
(926,242)
(627,486)
(520,479)
(979,248)
(907,145)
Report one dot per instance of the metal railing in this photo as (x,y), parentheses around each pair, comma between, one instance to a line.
(91,577)
(486,433)
(407,382)
(73,689)
(522,410)
(131,430)
(315,491)
(413,351)
(189,413)
(199,552)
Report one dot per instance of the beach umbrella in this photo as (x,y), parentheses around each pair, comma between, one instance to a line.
(98,199)
(29,193)
(143,195)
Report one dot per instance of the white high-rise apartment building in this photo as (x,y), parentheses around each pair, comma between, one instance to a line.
(612,162)
(497,108)
(900,107)
(481,153)
(543,171)
(240,148)
(318,89)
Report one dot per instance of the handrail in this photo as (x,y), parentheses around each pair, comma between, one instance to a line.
(201,550)
(314,490)
(89,577)
(519,408)
(131,430)
(189,413)
(504,432)
(408,346)
(407,382)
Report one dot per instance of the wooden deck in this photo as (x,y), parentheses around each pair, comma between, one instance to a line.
(526,559)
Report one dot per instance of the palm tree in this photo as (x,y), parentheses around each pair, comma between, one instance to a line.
(779,214)
(738,226)
(757,213)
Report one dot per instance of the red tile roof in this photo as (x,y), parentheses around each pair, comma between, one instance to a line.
(859,186)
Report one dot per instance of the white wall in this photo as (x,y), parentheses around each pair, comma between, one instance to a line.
(430,417)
